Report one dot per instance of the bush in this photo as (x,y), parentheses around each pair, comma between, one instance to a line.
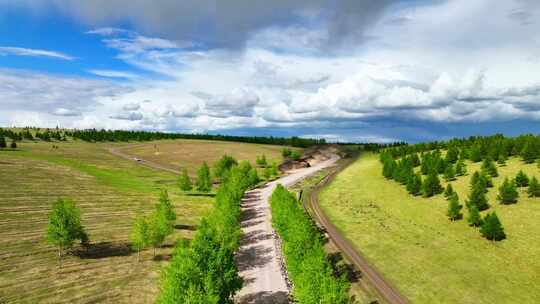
(295,155)
(286,152)
(491,228)
(223,165)
(261,161)
(184,181)
(2,142)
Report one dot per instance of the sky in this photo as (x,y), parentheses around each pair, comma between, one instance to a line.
(344,70)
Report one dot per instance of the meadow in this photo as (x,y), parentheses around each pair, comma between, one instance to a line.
(429,258)
(110,192)
(190,154)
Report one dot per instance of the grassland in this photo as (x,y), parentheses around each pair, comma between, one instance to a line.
(190,154)
(429,258)
(110,192)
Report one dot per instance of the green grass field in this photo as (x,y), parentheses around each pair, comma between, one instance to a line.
(190,154)
(429,258)
(110,192)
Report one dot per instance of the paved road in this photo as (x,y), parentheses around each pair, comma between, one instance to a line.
(259,256)
(386,290)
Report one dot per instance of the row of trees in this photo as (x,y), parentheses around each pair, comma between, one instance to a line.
(26,134)
(152,230)
(204,270)
(477,148)
(307,265)
(203,183)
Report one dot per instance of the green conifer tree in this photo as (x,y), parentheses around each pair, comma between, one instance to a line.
(491,228)
(449,173)
(507,192)
(448,191)
(534,188)
(2,142)
(477,197)
(414,184)
(474,218)
(432,185)
(461,168)
(454,208)
(489,168)
(529,152)
(522,180)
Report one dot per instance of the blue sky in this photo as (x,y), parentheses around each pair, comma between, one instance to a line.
(347,70)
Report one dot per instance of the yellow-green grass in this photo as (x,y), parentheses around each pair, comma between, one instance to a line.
(430,259)
(190,154)
(110,192)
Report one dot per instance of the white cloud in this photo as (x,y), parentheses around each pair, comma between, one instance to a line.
(131,107)
(131,116)
(65,112)
(113,74)
(18,51)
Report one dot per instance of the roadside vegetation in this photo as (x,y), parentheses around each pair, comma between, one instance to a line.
(451,213)
(314,279)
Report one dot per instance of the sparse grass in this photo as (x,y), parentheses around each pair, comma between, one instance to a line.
(429,258)
(110,192)
(190,154)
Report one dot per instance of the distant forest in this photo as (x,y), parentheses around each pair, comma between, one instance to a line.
(94,135)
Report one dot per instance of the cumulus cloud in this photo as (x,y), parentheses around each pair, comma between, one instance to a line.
(131,116)
(18,51)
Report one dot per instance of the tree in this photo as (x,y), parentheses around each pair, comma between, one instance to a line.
(184,181)
(474,218)
(165,207)
(139,236)
(491,228)
(286,152)
(475,154)
(507,192)
(449,173)
(529,152)
(477,197)
(449,191)
(295,155)
(502,161)
(522,180)
(489,168)
(204,184)
(13,144)
(223,165)
(158,229)
(2,142)
(461,168)
(432,185)
(261,161)
(452,154)
(454,208)
(65,226)
(414,184)
(534,188)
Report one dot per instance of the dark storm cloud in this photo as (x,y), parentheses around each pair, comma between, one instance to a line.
(222,23)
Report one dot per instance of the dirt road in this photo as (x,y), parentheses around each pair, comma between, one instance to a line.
(142,162)
(259,256)
(386,290)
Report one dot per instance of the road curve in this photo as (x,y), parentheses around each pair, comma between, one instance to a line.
(259,257)
(149,164)
(386,290)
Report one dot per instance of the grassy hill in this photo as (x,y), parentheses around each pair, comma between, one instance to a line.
(429,258)
(110,192)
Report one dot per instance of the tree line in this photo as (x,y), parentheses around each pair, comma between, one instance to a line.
(204,270)
(312,275)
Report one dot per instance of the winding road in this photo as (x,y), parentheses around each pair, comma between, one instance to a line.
(259,259)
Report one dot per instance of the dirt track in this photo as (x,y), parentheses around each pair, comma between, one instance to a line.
(383,287)
(259,256)
(143,162)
